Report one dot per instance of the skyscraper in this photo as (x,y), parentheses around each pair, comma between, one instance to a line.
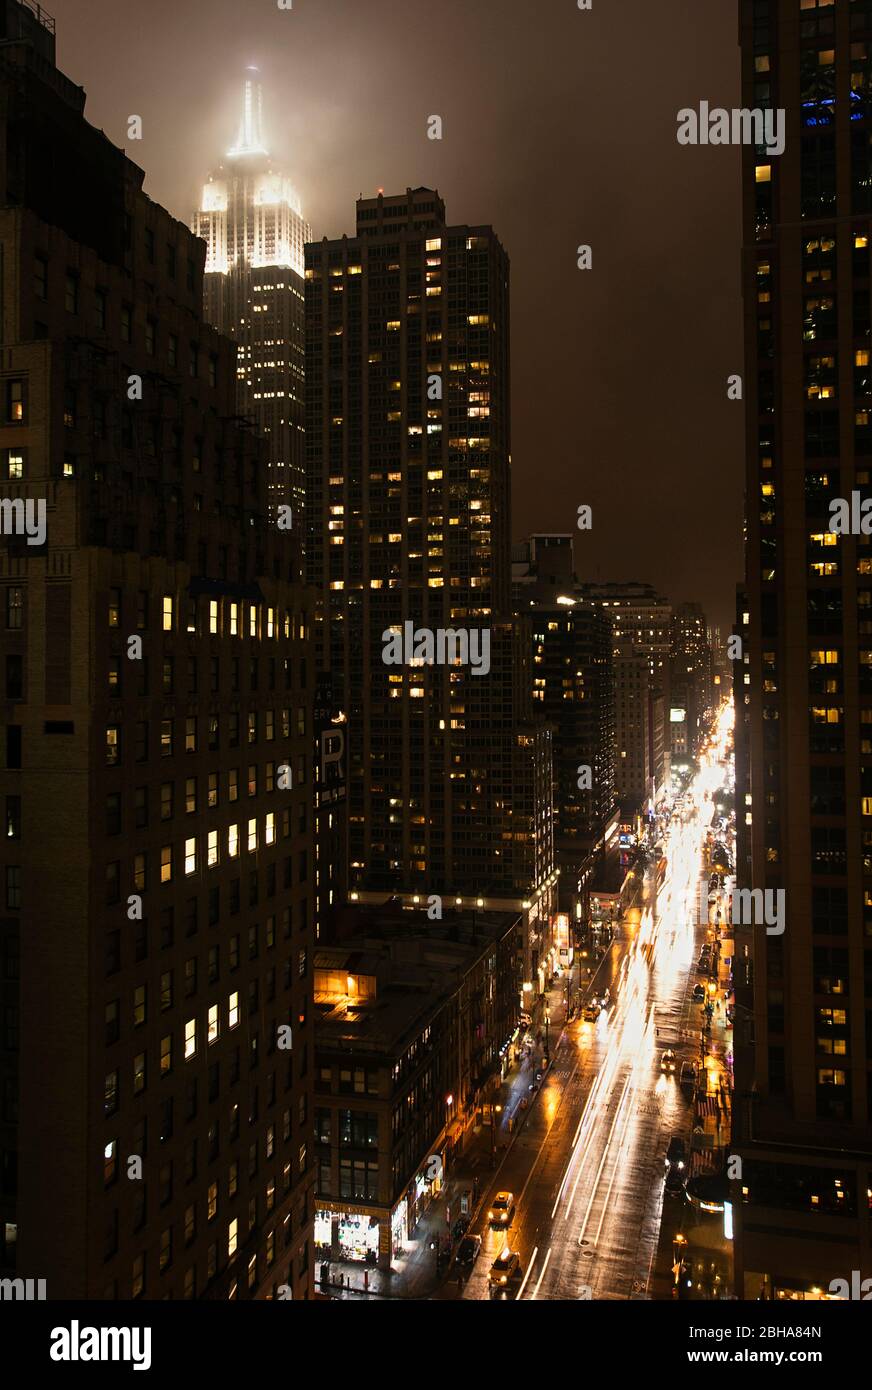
(572,676)
(408,440)
(642,626)
(690,681)
(251,219)
(156,1058)
(803,1115)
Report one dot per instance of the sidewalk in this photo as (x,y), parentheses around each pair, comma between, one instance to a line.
(414,1275)
(696,1237)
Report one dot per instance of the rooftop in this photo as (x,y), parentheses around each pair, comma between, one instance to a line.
(379,987)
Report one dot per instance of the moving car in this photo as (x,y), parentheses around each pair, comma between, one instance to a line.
(506,1269)
(698,993)
(667,1060)
(591,1013)
(502,1209)
(468,1251)
(676,1154)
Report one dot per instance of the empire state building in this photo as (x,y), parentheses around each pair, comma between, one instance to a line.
(251,220)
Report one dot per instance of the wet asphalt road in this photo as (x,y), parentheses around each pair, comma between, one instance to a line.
(587,1170)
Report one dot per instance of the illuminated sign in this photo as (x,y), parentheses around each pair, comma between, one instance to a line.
(677,716)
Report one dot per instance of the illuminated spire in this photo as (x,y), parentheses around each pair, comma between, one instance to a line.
(250,138)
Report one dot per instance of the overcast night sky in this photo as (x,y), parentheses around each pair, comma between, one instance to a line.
(559,129)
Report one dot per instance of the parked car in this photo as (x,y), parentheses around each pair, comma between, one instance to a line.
(698,993)
(687,1075)
(502,1209)
(506,1269)
(675,1182)
(468,1251)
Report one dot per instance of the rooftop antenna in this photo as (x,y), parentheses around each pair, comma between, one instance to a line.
(250,137)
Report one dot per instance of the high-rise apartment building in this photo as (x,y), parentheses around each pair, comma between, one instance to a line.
(251,219)
(642,626)
(634,779)
(407,390)
(572,675)
(155,944)
(690,682)
(804,1027)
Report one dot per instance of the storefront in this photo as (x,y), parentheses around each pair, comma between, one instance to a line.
(400,1227)
(423,1188)
(323,1232)
(359,1236)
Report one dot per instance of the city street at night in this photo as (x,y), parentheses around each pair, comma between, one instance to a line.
(588,1168)
(436,645)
